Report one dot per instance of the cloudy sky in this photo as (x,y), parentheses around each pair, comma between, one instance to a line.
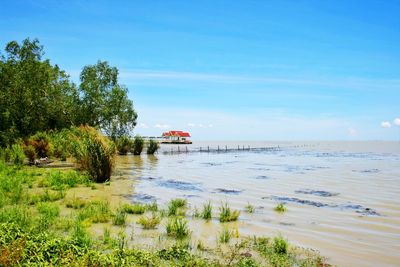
(259,70)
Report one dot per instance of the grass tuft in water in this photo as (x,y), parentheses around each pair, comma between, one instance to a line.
(206,213)
(177,207)
(120,217)
(225,236)
(136,208)
(148,222)
(280,208)
(280,245)
(178,228)
(226,214)
(249,208)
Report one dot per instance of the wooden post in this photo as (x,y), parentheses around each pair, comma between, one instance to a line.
(200,149)
(238,147)
(178,149)
(186,150)
(218,148)
(171,150)
(208,148)
(249,148)
(226,149)
(243,147)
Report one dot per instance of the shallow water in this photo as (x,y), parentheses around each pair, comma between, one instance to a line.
(342,197)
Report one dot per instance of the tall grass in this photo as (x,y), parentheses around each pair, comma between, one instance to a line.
(138,144)
(177,207)
(226,214)
(280,208)
(149,222)
(206,213)
(95,153)
(178,228)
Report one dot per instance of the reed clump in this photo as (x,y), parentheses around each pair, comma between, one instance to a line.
(280,208)
(178,228)
(124,144)
(226,214)
(177,207)
(149,222)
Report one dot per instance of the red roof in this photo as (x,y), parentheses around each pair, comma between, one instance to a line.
(176,133)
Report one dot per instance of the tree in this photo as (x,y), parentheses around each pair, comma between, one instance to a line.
(34,95)
(105,103)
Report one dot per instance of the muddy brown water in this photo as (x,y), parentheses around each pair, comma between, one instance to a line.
(343,198)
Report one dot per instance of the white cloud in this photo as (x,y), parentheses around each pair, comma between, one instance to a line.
(352,131)
(191,124)
(142,126)
(396,121)
(386,124)
(199,125)
(162,126)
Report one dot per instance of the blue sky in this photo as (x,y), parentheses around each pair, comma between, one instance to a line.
(260,70)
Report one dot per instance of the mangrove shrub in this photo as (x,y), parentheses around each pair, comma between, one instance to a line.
(138,144)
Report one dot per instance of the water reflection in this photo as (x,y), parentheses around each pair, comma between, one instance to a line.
(153,161)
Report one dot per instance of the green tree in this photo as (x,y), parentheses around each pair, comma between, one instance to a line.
(105,103)
(34,95)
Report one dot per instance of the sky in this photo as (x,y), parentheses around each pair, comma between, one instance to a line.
(234,70)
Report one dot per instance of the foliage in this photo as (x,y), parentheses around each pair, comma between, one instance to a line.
(41,143)
(95,153)
(249,208)
(35,95)
(124,145)
(50,100)
(178,228)
(148,222)
(225,236)
(280,208)
(120,217)
(104,102)
(136,208)
(138,144)
(206,213)
(95,212)
(226,214)
(152,147)
(17,155)
(177,206)
(280,245)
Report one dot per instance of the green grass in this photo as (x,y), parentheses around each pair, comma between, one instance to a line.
(226,214)
(249,208)
(178,228)
(225,236)
(280,208)
(206,213)
(95,212)
(119,218)
(280,245)
(149,222)
(46,196)
(177,207)
(75,203)
(136,208)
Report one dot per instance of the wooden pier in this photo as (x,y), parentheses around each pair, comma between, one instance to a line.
(218,149)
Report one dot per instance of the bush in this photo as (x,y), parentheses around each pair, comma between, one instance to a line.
(152,147)
(124,145)
(119,218)
(138,144)
(95,153)
(40,141)
(280,245)
(136,208)
(30,153)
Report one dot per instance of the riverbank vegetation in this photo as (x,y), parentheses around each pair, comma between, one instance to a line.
(71,214)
